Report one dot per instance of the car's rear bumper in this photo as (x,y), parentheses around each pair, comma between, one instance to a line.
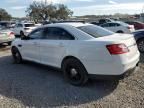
(6,40)
(114,77)
(115,66)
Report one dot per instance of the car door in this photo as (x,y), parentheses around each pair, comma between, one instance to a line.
(31,47)
(54,45)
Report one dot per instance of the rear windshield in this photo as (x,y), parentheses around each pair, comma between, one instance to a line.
(124,24)
(95,31)
(29,25)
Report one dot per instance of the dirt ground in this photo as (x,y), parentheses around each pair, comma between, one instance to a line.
(31,85)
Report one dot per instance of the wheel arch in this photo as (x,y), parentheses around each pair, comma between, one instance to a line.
(21,31)
(138,39)
(71,57)
(120,31)
(13,47)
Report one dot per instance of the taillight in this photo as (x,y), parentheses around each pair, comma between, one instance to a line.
(115,49)
(130,27)
(11,33)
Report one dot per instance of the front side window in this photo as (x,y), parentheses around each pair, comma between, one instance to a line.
(54,33)
(36,34)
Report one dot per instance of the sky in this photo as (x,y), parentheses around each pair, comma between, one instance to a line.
(80,7)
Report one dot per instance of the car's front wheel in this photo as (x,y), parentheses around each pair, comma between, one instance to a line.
(16,55)
(74,72)
(21,33)
(140,44)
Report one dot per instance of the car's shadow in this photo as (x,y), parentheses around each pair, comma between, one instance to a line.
(38,86)
(2,46)
(142,58)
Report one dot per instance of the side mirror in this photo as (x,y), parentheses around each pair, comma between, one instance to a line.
(24,37)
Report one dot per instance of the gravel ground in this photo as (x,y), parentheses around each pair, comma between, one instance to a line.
(31,85)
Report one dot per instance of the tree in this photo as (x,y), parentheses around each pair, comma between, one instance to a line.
(4,15)
(41,11)
(63,12)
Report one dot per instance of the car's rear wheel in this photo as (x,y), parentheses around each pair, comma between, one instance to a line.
(9,43)
(16,55)
(74,72)
(140,44)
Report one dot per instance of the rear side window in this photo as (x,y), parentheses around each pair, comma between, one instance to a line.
(114,24)
(105,25)
(54,33)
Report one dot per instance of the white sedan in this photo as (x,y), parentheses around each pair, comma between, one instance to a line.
(23,28)
(118,27)
(6,36)
(80,50)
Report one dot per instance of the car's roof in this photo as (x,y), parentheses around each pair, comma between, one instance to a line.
(74,24)
(71,27)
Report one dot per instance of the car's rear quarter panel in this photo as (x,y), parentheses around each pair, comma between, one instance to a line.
(94,56)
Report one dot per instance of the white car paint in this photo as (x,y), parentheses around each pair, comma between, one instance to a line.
(6,36)
(92,52)
(118,26)
(22,27)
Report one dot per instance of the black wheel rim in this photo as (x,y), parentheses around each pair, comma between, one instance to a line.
(73,74)
(141,46)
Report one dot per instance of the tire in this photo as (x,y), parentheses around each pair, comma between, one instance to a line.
(16,55)
(140,44)
(9,43)
(74,72)
(120,31)
(21,33)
